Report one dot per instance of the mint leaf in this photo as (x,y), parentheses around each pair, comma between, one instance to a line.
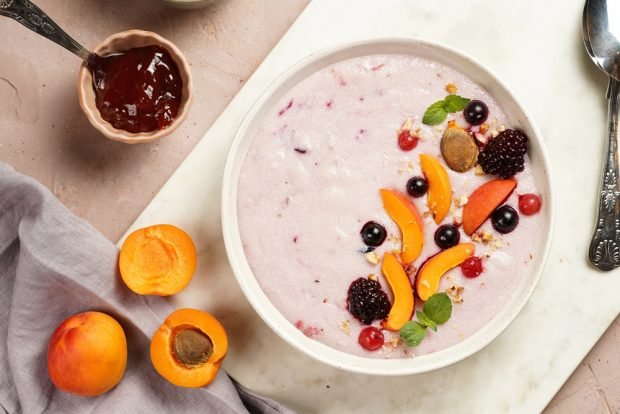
(426,321)
(438,308)
(455,103)
(435,114)
(412,333)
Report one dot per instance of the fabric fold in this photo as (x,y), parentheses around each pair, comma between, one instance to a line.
(54,265)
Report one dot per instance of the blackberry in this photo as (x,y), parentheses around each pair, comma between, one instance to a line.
(503,155)
(367,301)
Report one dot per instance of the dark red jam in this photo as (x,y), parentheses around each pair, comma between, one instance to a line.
(138,90)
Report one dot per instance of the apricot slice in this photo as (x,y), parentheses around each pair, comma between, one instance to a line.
(157,260)
(87,354)
(406,216)
(484,200)
(188,348)
(439,187)
(397,278)
(427,280)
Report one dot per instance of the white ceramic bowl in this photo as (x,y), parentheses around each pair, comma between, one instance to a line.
(518,118)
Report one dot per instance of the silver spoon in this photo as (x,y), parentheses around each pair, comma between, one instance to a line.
(35,19)
(600,33)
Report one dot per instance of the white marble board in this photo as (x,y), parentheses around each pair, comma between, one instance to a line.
(535,48)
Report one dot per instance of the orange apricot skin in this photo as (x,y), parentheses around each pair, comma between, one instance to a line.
(405,214)
(402,308)
(429,275)
(484,200)
(439,187)
(157,260)
(87,354)
(166,364)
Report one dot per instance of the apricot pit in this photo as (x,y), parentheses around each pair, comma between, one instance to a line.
(188,348)
(458,149)
(192,347)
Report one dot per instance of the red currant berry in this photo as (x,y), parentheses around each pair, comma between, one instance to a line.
(472,267)
(371,338)
(406,141)
(529,204)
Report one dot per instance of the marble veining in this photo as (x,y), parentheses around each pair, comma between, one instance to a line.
(544,64)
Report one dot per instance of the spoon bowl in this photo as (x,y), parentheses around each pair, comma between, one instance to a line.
(601,30)
(586,37)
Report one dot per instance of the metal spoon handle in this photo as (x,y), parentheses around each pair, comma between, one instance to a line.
(35,19)
(604,252)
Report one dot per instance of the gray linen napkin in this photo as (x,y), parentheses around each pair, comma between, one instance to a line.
(53,265)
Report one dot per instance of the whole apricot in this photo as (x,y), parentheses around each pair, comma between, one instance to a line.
(87,354)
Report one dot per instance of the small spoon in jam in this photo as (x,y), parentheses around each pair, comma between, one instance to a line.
(138,90)
(35,19)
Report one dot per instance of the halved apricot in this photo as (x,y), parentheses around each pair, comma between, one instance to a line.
(406,216)
(439,187)
(427,280)
(188,348)
(484,200)
(157,260)
(397,278)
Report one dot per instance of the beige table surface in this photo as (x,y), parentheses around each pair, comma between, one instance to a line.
(44,134)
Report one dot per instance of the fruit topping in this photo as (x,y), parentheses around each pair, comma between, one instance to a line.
(371,338)
(476,112)
(504,154)
(505,219)
(406,216)
(417,186)
(472,267)
(483,201)
(399,282)
(458,148)
(407,141)
(429,275)
(447,236)
(367,301)
(529,204)
(439,187)
(373,234)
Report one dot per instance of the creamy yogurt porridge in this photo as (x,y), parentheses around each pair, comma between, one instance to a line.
(311,180)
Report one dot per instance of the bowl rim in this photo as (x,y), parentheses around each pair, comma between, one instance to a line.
(272,316)
(92,113)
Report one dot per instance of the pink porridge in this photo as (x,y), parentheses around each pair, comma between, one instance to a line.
(311,181)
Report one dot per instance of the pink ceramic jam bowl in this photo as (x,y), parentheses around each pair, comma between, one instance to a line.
(121,42)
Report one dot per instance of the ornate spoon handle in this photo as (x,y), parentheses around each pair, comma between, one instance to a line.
(604,252)
(28,14)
